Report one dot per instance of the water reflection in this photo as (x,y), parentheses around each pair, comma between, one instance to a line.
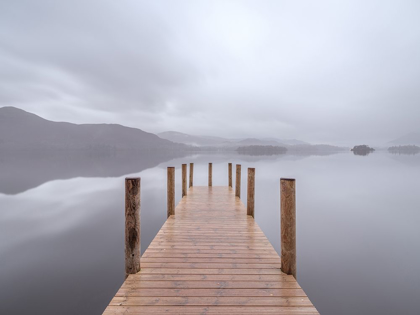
(25,169)
(62,251)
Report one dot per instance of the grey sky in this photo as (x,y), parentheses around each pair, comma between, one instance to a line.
(322,71)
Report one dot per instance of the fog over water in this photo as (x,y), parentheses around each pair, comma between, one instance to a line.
(357,225)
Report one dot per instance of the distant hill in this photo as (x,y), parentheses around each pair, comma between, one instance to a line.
(207,141)
(22,130)
(257,142)
(179,137)
(408,139)
(261,150)
(287,141)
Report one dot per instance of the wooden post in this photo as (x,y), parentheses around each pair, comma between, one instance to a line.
(171,191)
(132,226)
(210,174)
(184,180)
(191,174)
(288,226)
(251,192)
(238,181)
(230,174)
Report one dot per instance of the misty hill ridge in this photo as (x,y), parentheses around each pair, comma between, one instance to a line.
(184,138)
(412,138)
(23,130)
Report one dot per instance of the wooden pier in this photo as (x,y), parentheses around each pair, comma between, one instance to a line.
(210,257)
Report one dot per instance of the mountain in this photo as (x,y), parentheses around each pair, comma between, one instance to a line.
(261,150)
(253,142)
(184,138)
(179,137)
(287,141)
(22,130)
(408,139)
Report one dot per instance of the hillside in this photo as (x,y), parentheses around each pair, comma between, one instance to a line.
(179,137)
(206,141)
(22,130)
(408,139)
(261,150)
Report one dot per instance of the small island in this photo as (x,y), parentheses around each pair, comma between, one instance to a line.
(261,150)
(404,149)
(362,150)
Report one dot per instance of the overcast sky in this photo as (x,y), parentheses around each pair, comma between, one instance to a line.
(339,72)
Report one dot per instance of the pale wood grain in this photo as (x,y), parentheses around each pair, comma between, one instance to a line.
(171,191)
(250,204)
(184,180)
(210,258)
(132,226)
(238,181)
(288,226)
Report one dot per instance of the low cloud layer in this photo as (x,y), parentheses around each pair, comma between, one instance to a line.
(323,71)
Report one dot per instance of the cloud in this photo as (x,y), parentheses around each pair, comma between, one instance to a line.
(322,71)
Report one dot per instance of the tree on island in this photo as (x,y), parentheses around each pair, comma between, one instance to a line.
(404,149)
(362,150)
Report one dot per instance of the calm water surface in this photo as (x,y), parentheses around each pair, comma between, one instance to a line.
(62,236)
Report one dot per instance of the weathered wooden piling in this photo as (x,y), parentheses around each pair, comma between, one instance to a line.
(238,181)
(230,174)
(250,204)
(210,174)
(132,226)
(184,180)
(171,191)
(288,226)
(191,174)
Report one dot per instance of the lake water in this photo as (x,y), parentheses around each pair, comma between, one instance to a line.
(62,226)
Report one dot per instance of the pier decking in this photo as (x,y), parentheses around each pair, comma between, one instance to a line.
(210,258)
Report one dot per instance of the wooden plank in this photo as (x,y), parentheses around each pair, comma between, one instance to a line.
(215,247)
(230,271)
(208,265)
(207,277)
(211,235)
(210,252)
(245,255)
(140,310)
(201,284)
(238,239)
(210,258)
(197,301)
(210,240)
(197,292)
